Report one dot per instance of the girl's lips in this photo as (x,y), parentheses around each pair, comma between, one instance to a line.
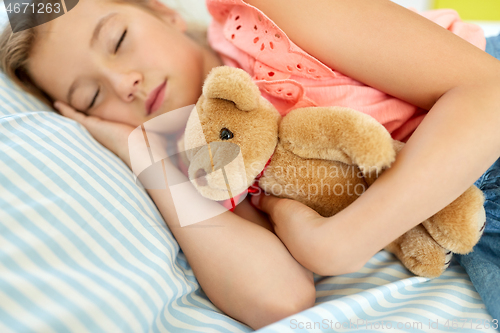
(156,98)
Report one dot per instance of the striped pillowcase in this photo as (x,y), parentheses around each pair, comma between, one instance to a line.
(14,100)
(82,246)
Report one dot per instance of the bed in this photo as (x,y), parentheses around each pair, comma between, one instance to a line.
(84,248)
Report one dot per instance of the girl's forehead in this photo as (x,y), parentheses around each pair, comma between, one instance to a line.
(84,14)
(63,48)
(74,26)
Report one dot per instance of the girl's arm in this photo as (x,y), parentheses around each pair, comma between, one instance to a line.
(405,55)
(244,269)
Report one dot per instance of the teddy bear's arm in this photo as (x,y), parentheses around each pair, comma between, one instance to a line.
(338,134)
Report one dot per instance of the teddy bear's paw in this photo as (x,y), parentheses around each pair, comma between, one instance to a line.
(460,238)
(377,160)
(458,226)
(372,166)
(420,254)
(430,262)
(432,266)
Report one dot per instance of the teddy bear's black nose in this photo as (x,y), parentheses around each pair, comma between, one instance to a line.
(200,177)
(226,134)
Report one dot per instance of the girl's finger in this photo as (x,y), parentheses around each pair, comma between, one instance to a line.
(283,210)
(69,112)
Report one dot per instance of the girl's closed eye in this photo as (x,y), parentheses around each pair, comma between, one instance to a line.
(121,40)
(118,44)
(93,100)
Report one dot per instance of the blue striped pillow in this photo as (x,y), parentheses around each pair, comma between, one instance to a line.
(82,247)
(14,100)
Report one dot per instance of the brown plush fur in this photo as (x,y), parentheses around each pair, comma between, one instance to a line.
(324,157)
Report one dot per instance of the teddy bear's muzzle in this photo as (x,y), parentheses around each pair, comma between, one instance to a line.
(217,171)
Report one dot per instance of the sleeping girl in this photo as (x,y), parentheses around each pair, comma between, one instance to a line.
(112,65)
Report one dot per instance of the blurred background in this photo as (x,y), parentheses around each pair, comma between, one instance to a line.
(486,13)
(487,10)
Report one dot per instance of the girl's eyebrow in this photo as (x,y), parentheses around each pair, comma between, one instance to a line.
(98,27)
(95,37)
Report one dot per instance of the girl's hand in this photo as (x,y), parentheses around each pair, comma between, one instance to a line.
(295,224)
(112,135)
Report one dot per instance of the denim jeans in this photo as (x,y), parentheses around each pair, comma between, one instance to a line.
(483,264)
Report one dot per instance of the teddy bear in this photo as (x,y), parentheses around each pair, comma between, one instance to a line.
(323,157)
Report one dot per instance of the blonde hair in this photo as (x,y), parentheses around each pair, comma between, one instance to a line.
(16,48)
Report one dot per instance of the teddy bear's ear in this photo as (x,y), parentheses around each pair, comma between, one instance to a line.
(232,84)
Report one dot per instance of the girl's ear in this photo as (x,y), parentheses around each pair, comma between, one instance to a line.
(169,15)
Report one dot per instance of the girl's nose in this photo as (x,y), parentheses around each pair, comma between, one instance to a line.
(128,85)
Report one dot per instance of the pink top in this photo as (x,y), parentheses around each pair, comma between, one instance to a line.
(290,78)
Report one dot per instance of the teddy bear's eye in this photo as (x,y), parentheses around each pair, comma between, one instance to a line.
(226,134)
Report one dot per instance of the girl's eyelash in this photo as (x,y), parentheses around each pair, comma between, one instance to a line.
(93,101)
(121,40)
